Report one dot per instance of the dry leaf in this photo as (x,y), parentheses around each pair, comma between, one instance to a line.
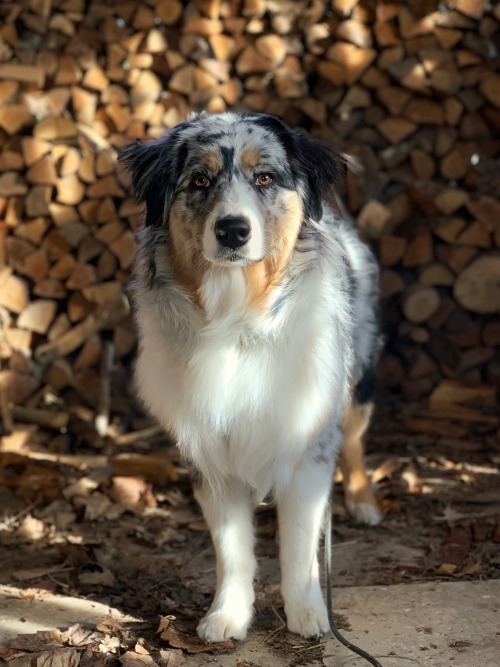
(182,634)
(470,569)
(141,649)
(110,625)
(99,506)
(109,645)
(31,529)
(132,659)
(6,653)
(446,569)
(61,657)
(172,658)
(134,493)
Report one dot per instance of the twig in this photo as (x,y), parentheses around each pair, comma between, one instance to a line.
(12,520)
(142,434)
(276,630)
(47,418)
(56,581)
(279,617)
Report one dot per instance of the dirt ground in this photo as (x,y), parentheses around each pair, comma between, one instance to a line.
(118,525)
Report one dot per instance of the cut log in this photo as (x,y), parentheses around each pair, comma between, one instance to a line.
(420,303)
(477,288)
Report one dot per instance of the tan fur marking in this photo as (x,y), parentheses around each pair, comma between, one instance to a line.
(262,277)
(185,258)
(213,161)
(250,158)
(357,489)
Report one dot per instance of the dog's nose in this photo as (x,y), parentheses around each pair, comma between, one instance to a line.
(232,232)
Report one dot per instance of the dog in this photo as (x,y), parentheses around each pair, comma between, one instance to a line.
(256,307)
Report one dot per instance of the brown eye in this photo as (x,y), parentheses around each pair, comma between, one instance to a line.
(201,181)
(263,180)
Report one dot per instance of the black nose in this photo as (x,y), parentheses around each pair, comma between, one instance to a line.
(232,232)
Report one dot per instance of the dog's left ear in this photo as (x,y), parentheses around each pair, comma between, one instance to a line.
(155,168)
(321,169)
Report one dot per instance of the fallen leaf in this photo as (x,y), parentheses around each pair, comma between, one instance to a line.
(38,641)
(167,534)
(470,569)
(182,634)
(165,622)
(446,569)
(392,506)
(6,653)
(31,529)
(110,625)
(109,645)
(132,659)
(141,649)
(82,487)
(61,657)
(134,493)
(172,658)
(78,636)
(99,506)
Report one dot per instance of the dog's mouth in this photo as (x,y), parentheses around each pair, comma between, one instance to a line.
(228,257)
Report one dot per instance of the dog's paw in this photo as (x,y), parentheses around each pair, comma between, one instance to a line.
(365,512)
(363,506)
(219,625)
(307,620)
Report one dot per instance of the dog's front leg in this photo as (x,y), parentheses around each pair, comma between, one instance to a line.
(229,517)
(301,511)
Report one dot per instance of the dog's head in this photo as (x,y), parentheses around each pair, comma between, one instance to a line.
(232,189)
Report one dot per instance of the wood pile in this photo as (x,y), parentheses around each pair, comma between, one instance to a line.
(410,89)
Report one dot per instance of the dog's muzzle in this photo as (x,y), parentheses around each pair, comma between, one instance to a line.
(232,232)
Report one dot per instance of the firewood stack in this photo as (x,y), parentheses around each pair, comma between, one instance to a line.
(410,89)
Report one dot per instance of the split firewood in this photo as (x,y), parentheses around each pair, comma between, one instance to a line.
(104,317)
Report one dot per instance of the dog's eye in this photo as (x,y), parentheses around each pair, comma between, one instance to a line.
(263,180)
(201,181)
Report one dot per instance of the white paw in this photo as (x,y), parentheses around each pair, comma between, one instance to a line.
(367,513)
(219,625)
(307,620)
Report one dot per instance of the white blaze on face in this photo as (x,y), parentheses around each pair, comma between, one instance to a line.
(238,201)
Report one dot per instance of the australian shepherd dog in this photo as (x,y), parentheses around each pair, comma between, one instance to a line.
(256,306)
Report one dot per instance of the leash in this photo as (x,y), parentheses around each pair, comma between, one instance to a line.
(329,602)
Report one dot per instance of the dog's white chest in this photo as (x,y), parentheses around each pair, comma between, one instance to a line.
(242,406)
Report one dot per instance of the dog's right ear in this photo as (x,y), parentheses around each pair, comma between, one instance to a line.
(155,168)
